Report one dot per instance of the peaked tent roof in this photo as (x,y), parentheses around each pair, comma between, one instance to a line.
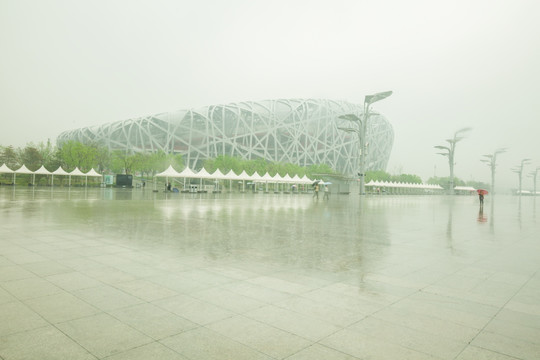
(60,171)
(231,175)
(170,172)
(244,176)
(42,171)
(77,172)
(203,174)
(256,176)
(23,170)
(287,178)
(92,172)
(188,173)
(218,175)
(5,169)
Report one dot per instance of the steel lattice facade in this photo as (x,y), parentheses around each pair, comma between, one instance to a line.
(298,131)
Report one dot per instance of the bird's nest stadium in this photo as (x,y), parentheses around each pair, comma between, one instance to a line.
(299,131)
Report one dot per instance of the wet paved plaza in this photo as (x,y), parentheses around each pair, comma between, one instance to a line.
(133,274)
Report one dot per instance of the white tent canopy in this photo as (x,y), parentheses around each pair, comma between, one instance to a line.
(77,172)
(60,171)
(187,173)
(92,172)
(5,169)
(42,171)
(386,184)
(231,175)
(23,170)
(170,172)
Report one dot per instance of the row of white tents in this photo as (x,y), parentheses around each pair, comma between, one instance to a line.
(4,169)
(400,185)
(203,174)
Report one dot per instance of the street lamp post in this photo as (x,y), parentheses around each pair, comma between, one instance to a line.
(533,175)
(361,128)
(491,161)
(519,171)
(450,153)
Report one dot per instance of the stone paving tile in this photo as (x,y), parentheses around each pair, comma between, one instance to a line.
(501,344)
(228,300)
(106,297)
(308,327)
(317,351)
(44,343)
(61,307)
(192,309)
(30,288)
(153,321)
(271,282)
(5,297)
(257,292)
(421,341)
(205,344)
(46,268)
(267,339)
(367,347)
(102,335)
(144,289)
(16,317)
(426,323)
(148,352)
(14,272)
(73,280)
(322,311)
(476,353)
(108,275)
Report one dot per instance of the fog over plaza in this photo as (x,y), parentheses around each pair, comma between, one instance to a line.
(73,64)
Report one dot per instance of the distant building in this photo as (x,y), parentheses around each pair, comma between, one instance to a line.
(298,131)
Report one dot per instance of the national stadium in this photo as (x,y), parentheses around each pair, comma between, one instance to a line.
(299,131)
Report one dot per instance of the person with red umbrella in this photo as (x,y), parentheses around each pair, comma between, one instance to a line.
(481,193)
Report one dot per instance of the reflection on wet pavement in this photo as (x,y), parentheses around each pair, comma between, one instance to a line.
(119,273)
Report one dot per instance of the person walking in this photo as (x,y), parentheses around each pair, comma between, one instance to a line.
(481,198)
(326,193)
(316,191)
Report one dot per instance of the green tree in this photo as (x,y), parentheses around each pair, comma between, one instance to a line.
(224,163)
(31,157)
(445,182)
(377,175)
(407,178)
(123,162)
(8,156)
(317,170)
(75,154)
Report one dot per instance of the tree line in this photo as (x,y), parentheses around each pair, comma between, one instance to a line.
(74,154)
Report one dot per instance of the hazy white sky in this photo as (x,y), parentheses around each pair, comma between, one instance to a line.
(451,64)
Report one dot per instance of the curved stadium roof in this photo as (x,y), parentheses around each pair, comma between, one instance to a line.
(298,131)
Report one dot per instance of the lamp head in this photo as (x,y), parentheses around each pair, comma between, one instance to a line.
(370,99)
(350,117)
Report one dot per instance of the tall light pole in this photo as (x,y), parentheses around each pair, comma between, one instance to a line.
(519,171)
(491,161)
(360,129)
(450,153)
(533,175)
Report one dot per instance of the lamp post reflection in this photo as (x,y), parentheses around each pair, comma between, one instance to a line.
(519,170)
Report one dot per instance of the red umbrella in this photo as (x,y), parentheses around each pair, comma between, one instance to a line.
(482,192)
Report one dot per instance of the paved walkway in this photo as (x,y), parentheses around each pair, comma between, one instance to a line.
(105,274)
